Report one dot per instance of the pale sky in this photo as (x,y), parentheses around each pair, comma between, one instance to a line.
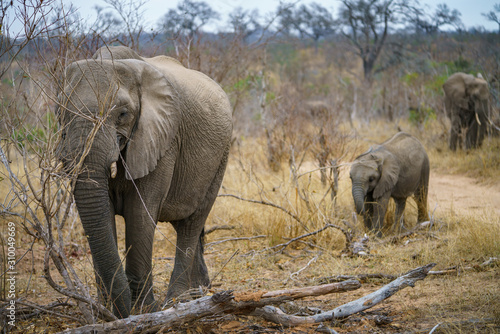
(154,9)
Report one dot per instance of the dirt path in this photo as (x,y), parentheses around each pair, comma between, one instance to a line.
(457,193)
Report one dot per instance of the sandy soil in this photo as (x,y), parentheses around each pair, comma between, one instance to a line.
(461,194)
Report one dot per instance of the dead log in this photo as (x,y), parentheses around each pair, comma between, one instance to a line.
(256,304)
(219,303)
(274,314)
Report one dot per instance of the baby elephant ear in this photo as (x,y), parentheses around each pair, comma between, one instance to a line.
(389,176)
(158,121)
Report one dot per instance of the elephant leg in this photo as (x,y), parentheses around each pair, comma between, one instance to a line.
(368,216)
(140,228)
(399,218)
(455,132)
(475,132)
(421,199)
(379,210)
(190,270)
(471,136)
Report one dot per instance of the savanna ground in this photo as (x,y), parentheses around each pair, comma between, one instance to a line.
(273,180)
(464,202)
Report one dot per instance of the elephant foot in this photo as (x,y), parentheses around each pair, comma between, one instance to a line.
(186,296)
(142,307)
(399,228)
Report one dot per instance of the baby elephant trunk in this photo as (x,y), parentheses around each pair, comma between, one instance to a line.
(358,194)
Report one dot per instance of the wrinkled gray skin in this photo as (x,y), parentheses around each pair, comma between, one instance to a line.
(168,129)
(397,168)
(467,104)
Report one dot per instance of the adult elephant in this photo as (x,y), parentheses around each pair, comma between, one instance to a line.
(159,139)
(467,103)
(397,168)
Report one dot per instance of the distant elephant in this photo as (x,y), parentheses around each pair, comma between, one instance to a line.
(159,153)
(318,109)
(467,102)
(397,168)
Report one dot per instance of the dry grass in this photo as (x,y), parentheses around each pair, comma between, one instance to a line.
(461,240)
(482,164)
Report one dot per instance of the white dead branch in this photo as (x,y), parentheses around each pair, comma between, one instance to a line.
(256,304)
(274,314)
(455,270)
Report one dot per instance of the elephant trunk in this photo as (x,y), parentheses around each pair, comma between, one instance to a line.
(97,215)
(358,194)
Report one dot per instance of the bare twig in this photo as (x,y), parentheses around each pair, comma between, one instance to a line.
(33,310)
(296,274)
(286,244)
(288,212)
(234,239)
(217,228)
(455,270)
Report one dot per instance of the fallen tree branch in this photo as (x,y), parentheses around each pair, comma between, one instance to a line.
(455,270)
(219,303)
(256,304)
(273,314)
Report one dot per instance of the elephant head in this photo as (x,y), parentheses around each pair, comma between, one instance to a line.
(464,88)
(127,100)
(373,174)
(467,102)
(112,110)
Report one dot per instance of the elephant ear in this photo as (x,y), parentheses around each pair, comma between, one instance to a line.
(484,92)
(158,122)
(389,175)
(455,89)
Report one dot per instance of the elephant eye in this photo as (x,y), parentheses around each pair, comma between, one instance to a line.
(123,117)
(371,178)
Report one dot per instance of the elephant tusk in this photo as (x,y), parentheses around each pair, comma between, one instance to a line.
(113,169)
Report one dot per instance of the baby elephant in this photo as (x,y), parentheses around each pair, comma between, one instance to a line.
(397,168)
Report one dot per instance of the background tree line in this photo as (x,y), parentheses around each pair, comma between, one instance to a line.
(373,58)
(305,84)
